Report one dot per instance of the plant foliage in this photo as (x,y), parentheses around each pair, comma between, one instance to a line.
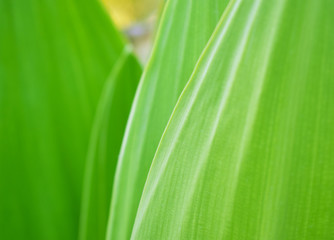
(229,134)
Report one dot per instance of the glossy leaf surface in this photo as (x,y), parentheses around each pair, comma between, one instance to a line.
(248,152)
(185,29)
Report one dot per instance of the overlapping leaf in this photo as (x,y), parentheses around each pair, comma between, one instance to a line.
(185,29)
(248,152)
(107,134)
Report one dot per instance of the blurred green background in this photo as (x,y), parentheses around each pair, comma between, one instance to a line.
(55,60)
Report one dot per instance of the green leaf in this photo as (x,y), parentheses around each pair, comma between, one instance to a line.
(54,59)
(248,152)
(106,137)
(185,29)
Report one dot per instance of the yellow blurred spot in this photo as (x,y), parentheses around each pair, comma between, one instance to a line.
(128,12)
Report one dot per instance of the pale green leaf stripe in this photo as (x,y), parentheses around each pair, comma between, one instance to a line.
(106,137)
(54,59)
(248,152)
(184,31)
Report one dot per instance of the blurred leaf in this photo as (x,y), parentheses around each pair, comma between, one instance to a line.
(54,59)
(106,137)
(185,29)
(248,152)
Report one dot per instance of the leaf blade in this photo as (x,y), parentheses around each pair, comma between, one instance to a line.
(178,45)
(54,59)
(106,137)
(247,152)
